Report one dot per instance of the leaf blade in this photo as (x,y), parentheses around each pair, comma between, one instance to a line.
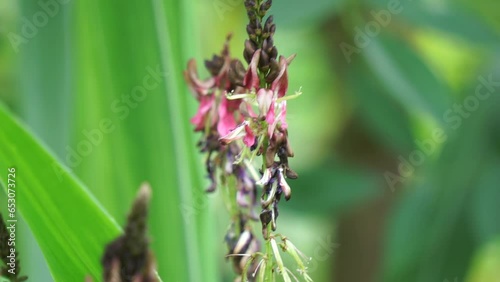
(71,230)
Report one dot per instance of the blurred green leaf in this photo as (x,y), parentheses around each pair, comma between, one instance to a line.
(296,12)
(332,188)
(486,265)
(484,204)
(447,16)
(129,75)
(70,226)
(405,244)
(429,237)
(386,118)
(406,78)
(45,88)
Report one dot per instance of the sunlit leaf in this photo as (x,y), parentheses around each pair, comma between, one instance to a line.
(70,226)
(486,266)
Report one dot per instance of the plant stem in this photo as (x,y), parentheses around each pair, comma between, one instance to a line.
(269,257)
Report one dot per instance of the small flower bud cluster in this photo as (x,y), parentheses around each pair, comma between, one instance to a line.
(12,274)
(128,257)
(261,37)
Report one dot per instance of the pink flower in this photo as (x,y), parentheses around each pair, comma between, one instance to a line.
(280,84)
(251,80)
(227,121)
(242,131)
(197,86)
(206,104)
(272,110)
(249,138)
(265,100)
(219,114)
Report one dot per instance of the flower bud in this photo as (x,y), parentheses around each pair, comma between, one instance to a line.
(285,188)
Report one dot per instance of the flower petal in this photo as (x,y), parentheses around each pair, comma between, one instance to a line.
(266,177)
(251,80)
(285,188)
(196,85)
(272,126)
(246,110)
(270,114)
(206,103)
(235,134)
(226,118)
(280,84)
(264,100)
(282,107)
(249,138)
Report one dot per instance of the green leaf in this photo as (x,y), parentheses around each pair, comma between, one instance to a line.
(429,236)
(70,226)
(129,74)
(301,13)
(486,265)
(484,204)
(336,188)
(406,78)
(450,17)
(383,115)
(44,100)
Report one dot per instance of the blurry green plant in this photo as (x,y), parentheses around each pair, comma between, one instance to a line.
(92,52)
(70,226)
(83,69)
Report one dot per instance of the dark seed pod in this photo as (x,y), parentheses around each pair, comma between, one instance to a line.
(273,53)
(275,213)
(236,73)
(268,23)
(247,54)
(291,174)
(265,45)
(250,5)
(252,16)
(270,153)
(238,67)
(265,218)
(270,44)
(250,30)
(274,71)
(250,46)
(264,69)
(258,27)
(264,59)
(266,6)
(215,65)
(282,155)
(262,13)
(272,29)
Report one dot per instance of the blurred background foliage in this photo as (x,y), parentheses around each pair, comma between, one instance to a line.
(362,115)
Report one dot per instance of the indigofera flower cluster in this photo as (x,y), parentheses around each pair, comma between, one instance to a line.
(242,115)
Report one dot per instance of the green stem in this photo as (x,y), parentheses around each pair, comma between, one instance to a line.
(265,144)
(269,257)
